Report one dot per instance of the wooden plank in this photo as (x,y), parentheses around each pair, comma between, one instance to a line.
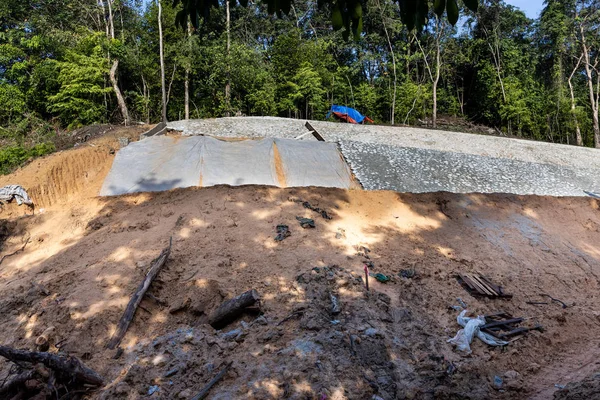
(497,289)
(468,282)
(314,132)
(482,289)
(488,289)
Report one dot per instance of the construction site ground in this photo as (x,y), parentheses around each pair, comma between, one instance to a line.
(85,255)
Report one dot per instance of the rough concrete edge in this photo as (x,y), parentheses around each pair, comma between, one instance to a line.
(159,129)
(353,176)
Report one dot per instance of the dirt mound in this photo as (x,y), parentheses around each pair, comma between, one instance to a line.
(588,389)
(72,174)
(83,262)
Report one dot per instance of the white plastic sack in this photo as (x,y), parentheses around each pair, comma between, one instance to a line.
(10,192)
(464,337)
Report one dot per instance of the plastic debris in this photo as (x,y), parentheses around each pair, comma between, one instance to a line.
(464,337)
(559,386)
(380,277)
(498,381)
(306,222)
(14,192)
(153,389)
(283,231)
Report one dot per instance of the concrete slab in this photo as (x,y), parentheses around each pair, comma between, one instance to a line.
(421,160)
(162,163)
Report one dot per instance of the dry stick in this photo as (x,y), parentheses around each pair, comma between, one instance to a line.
(204,392)
(137,297)
(71,367)
(14,252)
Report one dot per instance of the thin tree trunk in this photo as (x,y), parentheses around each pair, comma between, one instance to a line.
(433,81)
(438,62)
(573,105)
(113,72)
(120,99)
(187,79)
(228,82)
(110,19)
(590,81)
(162,63)
(393,62)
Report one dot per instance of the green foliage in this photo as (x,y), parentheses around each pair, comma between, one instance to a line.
(12,157)
(81,78)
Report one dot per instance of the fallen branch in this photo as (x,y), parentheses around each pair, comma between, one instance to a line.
(232,308)
(14,252)
(68,368)
(137,297)
(17,381)
(204,392)
(292,315)
(555,300)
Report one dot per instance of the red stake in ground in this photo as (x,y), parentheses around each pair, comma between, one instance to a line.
(367,276)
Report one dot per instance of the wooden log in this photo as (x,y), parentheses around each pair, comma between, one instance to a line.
(70,368)
(204,392)
(17,381)
(232,308)
(137,297)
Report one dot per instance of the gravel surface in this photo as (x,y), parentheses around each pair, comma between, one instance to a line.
(413,170)
(421,160)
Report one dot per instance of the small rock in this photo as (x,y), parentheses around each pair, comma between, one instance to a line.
(512,375)
(231,335)
(260,320)
(185,394)
(122,388)
(371,332)
(160,360)
(123,142)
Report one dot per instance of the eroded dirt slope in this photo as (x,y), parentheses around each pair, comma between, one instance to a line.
(91,253)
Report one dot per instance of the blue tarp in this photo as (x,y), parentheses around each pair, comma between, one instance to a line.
(351,112)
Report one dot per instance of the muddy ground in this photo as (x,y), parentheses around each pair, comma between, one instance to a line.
(86,255)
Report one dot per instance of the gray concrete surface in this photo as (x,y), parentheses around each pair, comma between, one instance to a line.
(421,160)
(161,163)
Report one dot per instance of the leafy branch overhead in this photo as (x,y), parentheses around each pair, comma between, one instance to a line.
(347,14)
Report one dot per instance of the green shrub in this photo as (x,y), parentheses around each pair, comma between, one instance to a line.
(12,157)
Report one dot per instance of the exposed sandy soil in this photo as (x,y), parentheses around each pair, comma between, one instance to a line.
(90,254)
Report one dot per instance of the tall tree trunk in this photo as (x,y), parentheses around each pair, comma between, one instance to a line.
(228,82)
(113,71)
(393,62)
(187,79)
(438,63)
(110,19)
(590,81)
(120,99)
(162,63)
(573,105)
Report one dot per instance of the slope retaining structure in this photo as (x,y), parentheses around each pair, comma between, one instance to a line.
(422,160)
